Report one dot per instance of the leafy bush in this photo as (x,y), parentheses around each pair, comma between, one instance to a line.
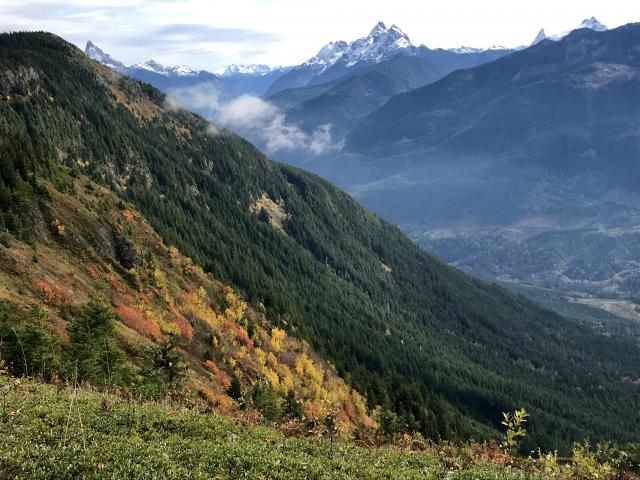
(143,324)
(515,428)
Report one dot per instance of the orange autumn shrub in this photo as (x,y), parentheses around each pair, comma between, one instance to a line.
(135,319)
(51,294)
(221,375)
(129,214)
(116,283)
(94,272)
(214,399)
(186,330)
(349,408)
(311,410)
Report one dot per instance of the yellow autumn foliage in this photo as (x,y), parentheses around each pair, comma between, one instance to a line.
(306,368)
(277,337)
(286,378)
(272,377)
(160,279)
(169,328)
(271,359)
(235,306)
(261,358)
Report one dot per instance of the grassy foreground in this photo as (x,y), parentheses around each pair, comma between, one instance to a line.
(62,433)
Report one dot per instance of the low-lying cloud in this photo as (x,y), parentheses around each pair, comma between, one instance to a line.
(254,118)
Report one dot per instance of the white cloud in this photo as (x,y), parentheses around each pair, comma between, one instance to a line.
(252,117)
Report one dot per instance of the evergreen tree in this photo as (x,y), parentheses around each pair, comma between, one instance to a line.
(292,408)
(93,354)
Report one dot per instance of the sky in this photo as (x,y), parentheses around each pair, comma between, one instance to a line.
(210,34)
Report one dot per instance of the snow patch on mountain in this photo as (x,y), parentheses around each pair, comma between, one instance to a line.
(244,69)
(467,50)
(155,67)
(592,23)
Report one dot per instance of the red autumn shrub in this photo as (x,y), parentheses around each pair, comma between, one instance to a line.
(116,283)
(239,333)
(221,375)
(51,294)
(135,319)
(186,330)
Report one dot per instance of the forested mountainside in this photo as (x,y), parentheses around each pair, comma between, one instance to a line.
(94,295)
(445,352)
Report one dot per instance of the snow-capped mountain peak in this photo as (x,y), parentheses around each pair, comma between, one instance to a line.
(329,54)
(378,29)
(152,66)
(539,37)
(95,53)
(244,69)
(381,44)
(155,67)
(466,50)
(591,23)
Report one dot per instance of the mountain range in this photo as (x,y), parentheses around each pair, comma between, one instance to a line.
(327,95)
(346,81)
(591,23)
(442,351)
(523,168)
(236,80)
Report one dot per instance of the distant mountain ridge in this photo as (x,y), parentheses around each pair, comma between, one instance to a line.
(523,169)
(247,69)
(236,80)
(591,23)
(346,81)
(338,58)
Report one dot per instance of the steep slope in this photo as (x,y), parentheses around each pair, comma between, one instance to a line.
(446,352)
(88,244)
(534,158)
